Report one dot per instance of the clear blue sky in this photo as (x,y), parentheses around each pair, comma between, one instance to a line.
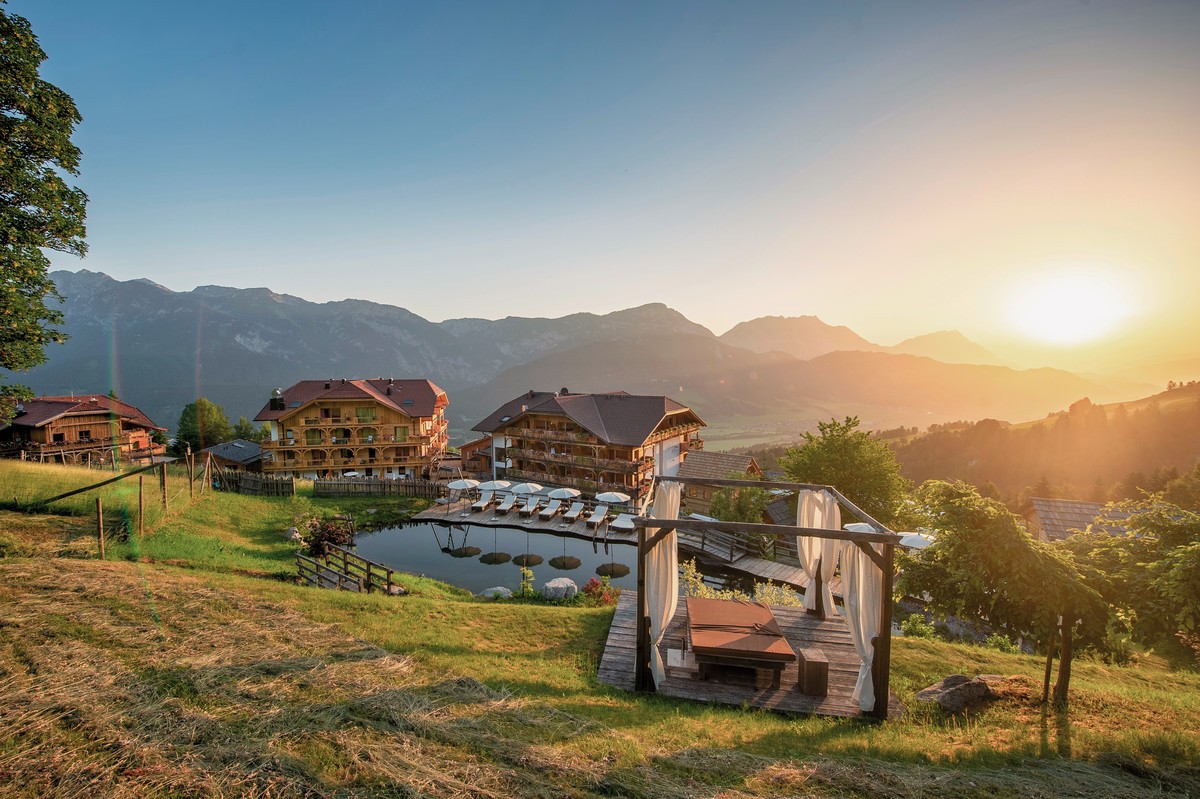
(896,167)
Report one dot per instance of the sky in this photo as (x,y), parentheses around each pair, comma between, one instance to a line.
(1027,173)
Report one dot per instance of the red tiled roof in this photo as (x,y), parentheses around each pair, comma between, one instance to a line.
(615,418)
(40,411)
(412,397)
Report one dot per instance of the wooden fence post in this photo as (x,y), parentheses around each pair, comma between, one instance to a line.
(100,525)
(162,481)
(141,504)
(191,467)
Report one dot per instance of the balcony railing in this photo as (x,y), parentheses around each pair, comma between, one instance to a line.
(603,464)
(551,435)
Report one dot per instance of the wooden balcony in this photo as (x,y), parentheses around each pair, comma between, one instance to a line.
(586,461)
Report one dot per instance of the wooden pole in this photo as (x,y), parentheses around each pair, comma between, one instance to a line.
(100,525)
(642,649)
(162,482)
(883,650)
(141,504)
(815,587)
(191,467)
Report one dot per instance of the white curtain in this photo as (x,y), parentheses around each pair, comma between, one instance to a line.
(818,509)
(862,588)
(662,573)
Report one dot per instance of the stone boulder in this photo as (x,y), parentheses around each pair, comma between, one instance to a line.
(294,535)
(496,592)
(559,588)
(957,693)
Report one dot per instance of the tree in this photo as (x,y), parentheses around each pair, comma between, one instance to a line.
(202,424)
(983,564)
(245,429)
(864,469)
(740,503)
(38,210)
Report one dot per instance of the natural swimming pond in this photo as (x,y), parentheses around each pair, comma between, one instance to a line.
(476,557)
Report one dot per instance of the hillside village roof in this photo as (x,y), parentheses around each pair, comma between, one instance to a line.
(717,465)
(412,397)
(239,451)
(617,418)
(1059,518)
(40,411)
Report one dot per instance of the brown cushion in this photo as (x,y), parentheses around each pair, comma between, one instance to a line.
(732,628)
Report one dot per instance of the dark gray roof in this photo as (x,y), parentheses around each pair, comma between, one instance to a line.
(1059,518)
(717,465)
(615,418)
(239,451)
(782,510)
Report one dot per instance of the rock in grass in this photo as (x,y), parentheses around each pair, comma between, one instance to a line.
(956,693)
(559,588)
(496,592)
(566,562)
(495,558)
(612,570)
(528,560)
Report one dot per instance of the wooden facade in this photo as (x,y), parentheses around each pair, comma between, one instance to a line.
(89,429)
(393,429)
(592,442)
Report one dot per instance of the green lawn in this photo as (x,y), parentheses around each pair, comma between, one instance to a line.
(174,668)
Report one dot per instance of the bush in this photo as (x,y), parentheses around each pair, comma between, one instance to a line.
(1001,642)
(917,626)
(598,593)
(319,532)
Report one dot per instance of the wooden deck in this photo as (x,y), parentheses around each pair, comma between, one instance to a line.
(733,686)
(690,544)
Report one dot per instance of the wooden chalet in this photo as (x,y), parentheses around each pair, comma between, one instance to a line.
(713,465)
(238,455)
(388,428)
(592,442)
(1056,519)
(88,429)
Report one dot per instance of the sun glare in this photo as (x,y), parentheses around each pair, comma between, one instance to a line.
(1071,306)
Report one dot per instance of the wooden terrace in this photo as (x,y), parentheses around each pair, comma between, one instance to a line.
(741,686)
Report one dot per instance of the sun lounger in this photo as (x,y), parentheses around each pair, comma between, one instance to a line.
(598,516)
(550,510)
(507,504)
(485,501)
(726,632)
(622,524)
(573,513)
(530,507)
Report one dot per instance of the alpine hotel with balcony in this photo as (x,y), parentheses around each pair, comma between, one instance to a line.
(394,429)
(593,442)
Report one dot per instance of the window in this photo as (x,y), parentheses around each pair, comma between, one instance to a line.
(59,438)
(85,435)
(365,415)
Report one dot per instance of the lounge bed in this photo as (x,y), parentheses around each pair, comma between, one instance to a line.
(551,510)
(622,524)
(598,516)
(723,632)
(485,501)
(573,513)
(507,504)
(531,506)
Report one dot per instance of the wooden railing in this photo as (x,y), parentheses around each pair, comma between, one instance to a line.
(344,570)
(604,464)
(256,484)
(374,486)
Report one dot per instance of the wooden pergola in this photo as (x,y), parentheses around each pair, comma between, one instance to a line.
(884,560)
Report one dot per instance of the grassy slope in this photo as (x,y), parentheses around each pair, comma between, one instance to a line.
(161,680)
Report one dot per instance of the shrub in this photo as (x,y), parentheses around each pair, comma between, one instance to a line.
(599,593)
(917,626)
(1001,642)
(320,532)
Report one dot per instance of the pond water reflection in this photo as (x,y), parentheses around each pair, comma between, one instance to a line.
(476,557)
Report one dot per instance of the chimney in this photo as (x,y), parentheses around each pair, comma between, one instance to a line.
(389,391)
(562,392)
(328,384)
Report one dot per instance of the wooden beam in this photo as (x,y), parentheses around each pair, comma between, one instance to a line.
(94,485)
(642,649)
(750,528)
(771,485)
(875,557)
(883,650)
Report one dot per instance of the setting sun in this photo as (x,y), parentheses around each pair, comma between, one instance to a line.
(1071,306)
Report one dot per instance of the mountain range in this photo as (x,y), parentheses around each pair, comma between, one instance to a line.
(160,349)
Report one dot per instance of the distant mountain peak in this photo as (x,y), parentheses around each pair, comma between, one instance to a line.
(803,337)
(947,346)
